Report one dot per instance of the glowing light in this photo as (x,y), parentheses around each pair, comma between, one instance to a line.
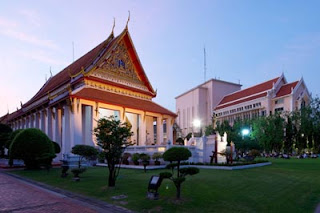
(245,132)
(196,123)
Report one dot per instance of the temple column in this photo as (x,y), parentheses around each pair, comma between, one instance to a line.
(48,126)
(159,130)
(169,130)
(42,121)
(95,118)
(143,130)
(76,123)
(31,121)
(57,127)
(37,118)
(66,130)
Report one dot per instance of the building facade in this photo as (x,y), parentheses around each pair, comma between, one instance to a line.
(194,107)
(275,95)
(107,81)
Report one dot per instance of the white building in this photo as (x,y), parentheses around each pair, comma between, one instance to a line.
(197,104)
(275,95)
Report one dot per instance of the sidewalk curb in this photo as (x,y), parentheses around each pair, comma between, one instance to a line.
(77,197)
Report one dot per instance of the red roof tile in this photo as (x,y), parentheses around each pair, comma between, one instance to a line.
(121,100)
(241,101)
(249,91)
(63,77)
(286,89)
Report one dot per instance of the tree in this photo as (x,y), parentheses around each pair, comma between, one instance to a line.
(113,137)
(33,147)
(5,132)
(84,151)
(269,132)
(178,154)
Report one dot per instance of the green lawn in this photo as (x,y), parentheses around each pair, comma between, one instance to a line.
(285,186)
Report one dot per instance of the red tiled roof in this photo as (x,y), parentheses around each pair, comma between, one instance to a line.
(249,91)
(121,100)
(286,89)
(241,101)
(63,77)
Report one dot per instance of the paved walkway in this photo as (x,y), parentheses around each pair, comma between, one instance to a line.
(17,195)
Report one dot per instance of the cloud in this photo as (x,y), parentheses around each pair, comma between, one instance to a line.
(29,38)
(12,29)
(42,56)
(7,23)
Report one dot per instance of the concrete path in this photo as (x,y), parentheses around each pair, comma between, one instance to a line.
(17,195)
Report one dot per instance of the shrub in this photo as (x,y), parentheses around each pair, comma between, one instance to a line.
(144,157)
(125,158)
(255,153)
(33,147)
(84,151)
(5,132)
(11,137)
(180,141)
(156,156)
(56,146)
(135,158)
(178,154)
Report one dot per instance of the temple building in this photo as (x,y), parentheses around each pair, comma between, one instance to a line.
(108,80)
(275,95)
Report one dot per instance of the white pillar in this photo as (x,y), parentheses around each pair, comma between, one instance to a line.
(142,130)
(37,118)
(95,118)
(48,126)
(159,130)
(76,123)
(57,126)
(169,130)
(66,146)
(42,125)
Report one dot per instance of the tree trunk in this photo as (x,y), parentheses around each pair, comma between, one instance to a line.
(112,177)
(178,186)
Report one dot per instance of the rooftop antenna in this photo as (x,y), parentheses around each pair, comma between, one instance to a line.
(7,108)
(114,24)
(46,79)
(50,72)
(205,63)
(73,51)
(128,19)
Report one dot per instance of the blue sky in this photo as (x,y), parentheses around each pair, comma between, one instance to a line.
(246,41)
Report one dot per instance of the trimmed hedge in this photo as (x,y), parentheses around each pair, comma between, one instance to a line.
(33,147)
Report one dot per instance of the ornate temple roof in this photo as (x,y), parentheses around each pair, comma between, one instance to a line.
(91,63)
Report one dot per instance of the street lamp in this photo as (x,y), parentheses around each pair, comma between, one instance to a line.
(196,124)
(245,132)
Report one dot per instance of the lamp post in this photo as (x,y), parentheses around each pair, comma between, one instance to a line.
(196,124)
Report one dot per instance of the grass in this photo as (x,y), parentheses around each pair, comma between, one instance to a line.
(285,186)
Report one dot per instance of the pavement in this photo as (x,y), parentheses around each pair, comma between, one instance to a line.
(18,195)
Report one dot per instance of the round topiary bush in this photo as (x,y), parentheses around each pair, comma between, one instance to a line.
(33,147)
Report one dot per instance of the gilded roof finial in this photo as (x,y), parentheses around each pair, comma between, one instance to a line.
(114,24)
(128,20)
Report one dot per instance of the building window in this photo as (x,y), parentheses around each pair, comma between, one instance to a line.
(279,101)
(263,113)
(280,109)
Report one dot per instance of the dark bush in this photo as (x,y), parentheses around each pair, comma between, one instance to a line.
(135,158)
(84,151)
(11,137)
(33,147)
(56,147)
(5,132)
(180,141)
(125,158)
